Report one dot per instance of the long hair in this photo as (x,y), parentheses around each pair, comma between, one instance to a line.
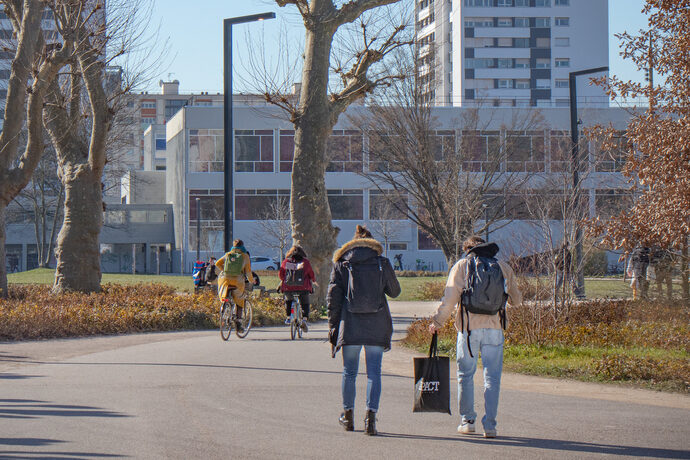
(471,242)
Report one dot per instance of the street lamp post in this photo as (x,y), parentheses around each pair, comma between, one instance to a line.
(575,138)
(228,134)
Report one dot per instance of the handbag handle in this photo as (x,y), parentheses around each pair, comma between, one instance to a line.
(433,348)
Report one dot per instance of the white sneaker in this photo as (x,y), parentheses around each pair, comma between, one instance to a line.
(466,428)
(489,433)
(287,320)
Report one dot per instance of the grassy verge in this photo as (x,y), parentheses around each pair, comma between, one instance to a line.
(637,343)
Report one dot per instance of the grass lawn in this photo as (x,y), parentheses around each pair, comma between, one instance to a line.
(594,287)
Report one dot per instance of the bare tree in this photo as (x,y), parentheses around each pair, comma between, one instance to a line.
(446,173)
(42,199)
(34,66)
(80,111)
(385,218)
(356,53)
(275,231)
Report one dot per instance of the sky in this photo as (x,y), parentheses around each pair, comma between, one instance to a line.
(192,33)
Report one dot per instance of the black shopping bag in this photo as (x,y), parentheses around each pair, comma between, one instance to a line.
(432,382)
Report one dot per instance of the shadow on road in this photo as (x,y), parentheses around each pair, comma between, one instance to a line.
(553,444)
(216,366)
(7,454)
(11,376)
(30,409)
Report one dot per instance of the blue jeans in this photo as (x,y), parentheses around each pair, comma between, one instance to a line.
(488,343)
(373,355)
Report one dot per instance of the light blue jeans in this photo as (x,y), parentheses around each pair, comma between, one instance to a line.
(488,343)
(373,355)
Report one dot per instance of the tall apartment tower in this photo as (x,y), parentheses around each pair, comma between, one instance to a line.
(514,52)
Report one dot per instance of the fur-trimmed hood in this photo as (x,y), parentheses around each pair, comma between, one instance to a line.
(369,243)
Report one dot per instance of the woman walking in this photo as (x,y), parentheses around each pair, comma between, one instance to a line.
(358,316)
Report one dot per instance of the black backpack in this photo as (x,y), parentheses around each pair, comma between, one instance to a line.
(294,273)
(485,293)
(365,287)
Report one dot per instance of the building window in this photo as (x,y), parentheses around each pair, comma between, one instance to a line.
(521,43)
(486,3)
(609,203)
(256,204)
(382,205)
(522,84)
(397,246)
(480,150)
(522,63)
(561,83)
(160,143)
(344,149)
(505,63)
(539,3)
(565,41)
(521,22)
(206,151)
(525,151)
(543,83)
(521,2)
(148,105)
(253,150)
(479,22)
(505,22)
(562,62)
(504,3)
(425,242)
(562,102)
(210,206)
(542,22)
(562,22)
(172,106)
(543,43)
(480,63)
(562,3)
(346,204)
(505,83)
(543,63)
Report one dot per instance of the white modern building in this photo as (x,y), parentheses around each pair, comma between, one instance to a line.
(264,148)
(513,52)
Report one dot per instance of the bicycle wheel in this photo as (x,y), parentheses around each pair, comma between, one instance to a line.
(293,328)
(299,322)
(246,321)
(225,321)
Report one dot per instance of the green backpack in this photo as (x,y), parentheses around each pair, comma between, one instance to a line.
(234,262)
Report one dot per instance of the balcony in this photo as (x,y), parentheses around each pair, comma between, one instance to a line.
(501,32)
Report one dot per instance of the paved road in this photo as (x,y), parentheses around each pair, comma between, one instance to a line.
(190,395)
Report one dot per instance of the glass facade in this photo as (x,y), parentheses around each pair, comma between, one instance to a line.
(206,150)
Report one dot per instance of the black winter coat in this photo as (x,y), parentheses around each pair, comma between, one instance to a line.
(352,328)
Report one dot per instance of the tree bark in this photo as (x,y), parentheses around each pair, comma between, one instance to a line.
(3,254)
(309,210)
(685,270)
(78,255)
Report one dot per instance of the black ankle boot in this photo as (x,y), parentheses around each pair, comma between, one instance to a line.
(370,424)
(347,420)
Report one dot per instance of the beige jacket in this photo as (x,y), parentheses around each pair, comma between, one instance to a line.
(457,282)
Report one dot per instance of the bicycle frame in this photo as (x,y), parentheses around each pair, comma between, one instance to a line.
(296,318)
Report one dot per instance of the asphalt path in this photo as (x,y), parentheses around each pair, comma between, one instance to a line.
(190,395)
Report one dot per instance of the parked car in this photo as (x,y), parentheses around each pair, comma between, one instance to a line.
(264,263)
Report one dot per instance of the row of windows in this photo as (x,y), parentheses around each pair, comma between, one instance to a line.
(493,63)
(515,3)
(515,22)
(511,83)
(349,205)
(516,151)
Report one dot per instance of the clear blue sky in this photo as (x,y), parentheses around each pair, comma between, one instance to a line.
(194,33)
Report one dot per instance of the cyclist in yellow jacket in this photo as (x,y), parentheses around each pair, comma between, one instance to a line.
(234,266)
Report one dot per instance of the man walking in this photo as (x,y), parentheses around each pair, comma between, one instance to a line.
(479,286)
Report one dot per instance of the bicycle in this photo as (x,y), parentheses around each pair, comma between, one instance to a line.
(296,319)
(228,316)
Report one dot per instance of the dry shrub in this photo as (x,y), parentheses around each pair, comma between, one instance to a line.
(417,273)
(418,335)
(34,312)
(533,288)
(432,290)
(671,373)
